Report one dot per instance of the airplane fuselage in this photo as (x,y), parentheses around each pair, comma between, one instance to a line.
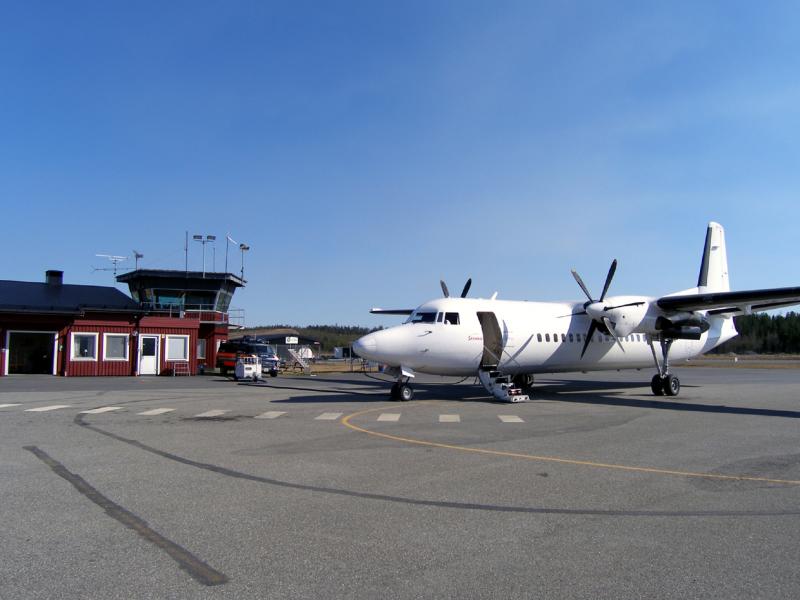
(446,337)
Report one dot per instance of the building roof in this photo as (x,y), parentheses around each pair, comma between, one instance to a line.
(30,297)
(172,275)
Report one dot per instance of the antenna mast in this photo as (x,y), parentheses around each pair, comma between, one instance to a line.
(115,260)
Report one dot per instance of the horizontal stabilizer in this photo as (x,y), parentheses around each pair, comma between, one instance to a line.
(391,311)
(733,302)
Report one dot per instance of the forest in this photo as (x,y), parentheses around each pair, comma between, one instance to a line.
(765,334)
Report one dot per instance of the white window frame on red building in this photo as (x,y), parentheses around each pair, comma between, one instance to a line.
(167,346)
(72,356)
(126,346)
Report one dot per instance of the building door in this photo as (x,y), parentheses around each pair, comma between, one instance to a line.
(31,352)
(148,354)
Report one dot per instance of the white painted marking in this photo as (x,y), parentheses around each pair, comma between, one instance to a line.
(393,417)
(328,416)
(97,411)
(449,418)
(156,411)
(273,414)
(47,408)
(510,419)
(211,413)
(9,405)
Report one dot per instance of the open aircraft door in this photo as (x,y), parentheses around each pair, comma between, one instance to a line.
(492,340)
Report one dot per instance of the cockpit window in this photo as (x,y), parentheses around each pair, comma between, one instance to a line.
(451,318)
(424,317)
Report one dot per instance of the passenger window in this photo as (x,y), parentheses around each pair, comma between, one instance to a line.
(539,337)
(547,337)
(571,337)
(563,338)
(555,337)
(451,319)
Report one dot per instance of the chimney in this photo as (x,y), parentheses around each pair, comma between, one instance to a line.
(54,277)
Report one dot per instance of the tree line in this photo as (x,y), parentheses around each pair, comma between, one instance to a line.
(765,334)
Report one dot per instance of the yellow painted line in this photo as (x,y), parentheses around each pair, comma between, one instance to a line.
(346,421)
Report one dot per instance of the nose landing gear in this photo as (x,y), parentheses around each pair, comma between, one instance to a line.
(402,391)
(663,383)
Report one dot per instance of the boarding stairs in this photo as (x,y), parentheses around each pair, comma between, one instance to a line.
(501,387)
(299,360)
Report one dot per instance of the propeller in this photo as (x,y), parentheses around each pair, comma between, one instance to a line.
(464,292)
(595,309)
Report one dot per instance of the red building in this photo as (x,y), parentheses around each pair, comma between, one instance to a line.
(73,330)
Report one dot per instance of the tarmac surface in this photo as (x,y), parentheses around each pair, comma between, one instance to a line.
(309,487)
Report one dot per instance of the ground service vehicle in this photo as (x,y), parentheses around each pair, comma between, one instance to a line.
(231,350)
(248,367)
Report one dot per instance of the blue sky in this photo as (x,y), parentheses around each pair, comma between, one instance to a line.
(365,150)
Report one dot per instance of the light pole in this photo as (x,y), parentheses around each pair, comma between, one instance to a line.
(204,240)
(244,248)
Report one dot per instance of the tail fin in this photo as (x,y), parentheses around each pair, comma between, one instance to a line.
(714,268)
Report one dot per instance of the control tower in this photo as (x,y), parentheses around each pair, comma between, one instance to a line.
(203,296)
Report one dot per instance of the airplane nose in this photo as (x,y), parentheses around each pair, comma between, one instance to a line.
(365,346)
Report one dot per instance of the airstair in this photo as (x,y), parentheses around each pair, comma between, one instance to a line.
(501,387)
(299,360)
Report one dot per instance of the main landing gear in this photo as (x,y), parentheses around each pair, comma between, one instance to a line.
(402,391)
(663,383)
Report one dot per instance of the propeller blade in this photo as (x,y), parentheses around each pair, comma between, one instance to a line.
(592,329)
(445,291)
(467,285)
(577,314)
(610,327)
(609,277)
(623,305)
(583,286)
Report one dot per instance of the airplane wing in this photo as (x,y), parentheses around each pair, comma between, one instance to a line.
(718,303)
(391,311)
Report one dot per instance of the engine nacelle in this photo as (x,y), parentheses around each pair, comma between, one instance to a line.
(683,326)
(631,318)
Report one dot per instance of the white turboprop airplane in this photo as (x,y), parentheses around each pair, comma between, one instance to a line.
(505,343)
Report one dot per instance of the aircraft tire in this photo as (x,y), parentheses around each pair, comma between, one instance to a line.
(672,385)
(657,385)
(406,393)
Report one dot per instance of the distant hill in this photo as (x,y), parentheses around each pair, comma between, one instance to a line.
(329,336)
